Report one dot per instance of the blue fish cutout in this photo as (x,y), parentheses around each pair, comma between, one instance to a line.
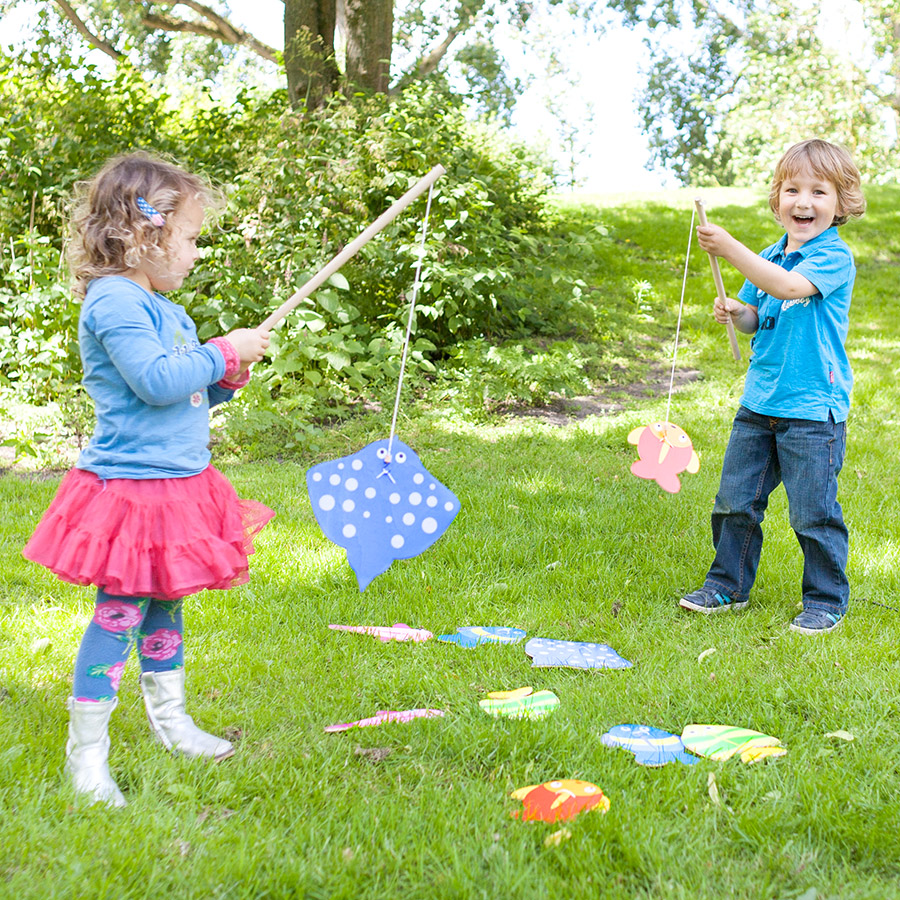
(379,507)
(574,654)
(472,636)
(650,746)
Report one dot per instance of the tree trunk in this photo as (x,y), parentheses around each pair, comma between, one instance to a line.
(309,63)
(369,28)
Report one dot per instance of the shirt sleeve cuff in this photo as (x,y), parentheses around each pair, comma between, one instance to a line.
(232,384)
(232,357)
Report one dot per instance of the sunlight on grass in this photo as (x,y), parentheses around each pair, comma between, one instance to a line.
(554,536)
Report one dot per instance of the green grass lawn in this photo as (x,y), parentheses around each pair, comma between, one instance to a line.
(556,537)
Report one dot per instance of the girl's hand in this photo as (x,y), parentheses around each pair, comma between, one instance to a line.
(250,343)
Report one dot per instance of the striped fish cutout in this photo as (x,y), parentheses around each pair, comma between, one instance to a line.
(721,742)
(522,703)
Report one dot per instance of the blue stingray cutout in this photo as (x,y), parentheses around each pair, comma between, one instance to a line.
(473,635)
(379,511)
(573,654)
(650,746)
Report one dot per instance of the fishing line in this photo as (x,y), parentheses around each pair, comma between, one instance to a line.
(409,324)
(687,259)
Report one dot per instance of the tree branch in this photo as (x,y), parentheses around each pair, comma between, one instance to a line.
(427,64)
(85,32)
(466,16)
(219,28)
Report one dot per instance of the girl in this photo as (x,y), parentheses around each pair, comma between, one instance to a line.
(143,515)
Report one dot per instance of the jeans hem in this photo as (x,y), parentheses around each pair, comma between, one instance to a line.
(724,589)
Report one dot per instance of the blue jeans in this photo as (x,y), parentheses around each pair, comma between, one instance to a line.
(807,456)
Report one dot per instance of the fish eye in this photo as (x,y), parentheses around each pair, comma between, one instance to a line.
(400,457)
(381,452)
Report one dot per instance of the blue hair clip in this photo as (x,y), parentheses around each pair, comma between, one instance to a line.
(153,214)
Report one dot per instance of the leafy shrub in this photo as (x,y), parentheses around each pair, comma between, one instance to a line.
(480,378)
(300,185)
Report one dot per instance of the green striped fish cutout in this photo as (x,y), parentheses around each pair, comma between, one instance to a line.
(724,741)
(522,703)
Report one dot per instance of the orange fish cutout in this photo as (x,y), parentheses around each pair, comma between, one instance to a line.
(555,800)
(665,451)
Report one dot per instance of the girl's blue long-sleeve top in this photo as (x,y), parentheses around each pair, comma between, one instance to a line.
(151,381)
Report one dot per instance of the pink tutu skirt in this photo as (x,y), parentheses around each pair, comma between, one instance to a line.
(160,537)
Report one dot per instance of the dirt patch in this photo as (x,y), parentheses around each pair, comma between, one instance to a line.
(611,399)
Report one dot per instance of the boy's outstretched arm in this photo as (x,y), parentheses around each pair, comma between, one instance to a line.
(768,276)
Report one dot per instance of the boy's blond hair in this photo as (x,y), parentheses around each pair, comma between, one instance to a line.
(830,162)
(109,233)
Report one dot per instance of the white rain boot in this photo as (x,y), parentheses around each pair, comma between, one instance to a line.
(87,750)
(164,699)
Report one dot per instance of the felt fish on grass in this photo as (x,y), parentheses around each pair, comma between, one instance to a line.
(379,506)
(522,703)
(406,715)
(545,652)
(398,632)
(472,636)
(664,451)
(556,800)
(650,746)
(724,741)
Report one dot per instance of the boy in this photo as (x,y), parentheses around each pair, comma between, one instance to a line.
(791,425)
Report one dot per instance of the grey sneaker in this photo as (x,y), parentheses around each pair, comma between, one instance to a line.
(816,621)
(709,600)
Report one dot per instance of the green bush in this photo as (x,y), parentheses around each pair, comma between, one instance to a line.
(482,378)
(497,263)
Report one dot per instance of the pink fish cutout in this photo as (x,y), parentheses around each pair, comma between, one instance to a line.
(398,632)
(665,451)
(406,715)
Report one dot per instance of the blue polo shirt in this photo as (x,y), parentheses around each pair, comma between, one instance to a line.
(799,368)
(151,381)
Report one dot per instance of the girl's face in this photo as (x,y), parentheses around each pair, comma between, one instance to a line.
(181,251)
(807,205)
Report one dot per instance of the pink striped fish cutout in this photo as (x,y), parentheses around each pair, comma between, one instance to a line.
(406,715)
(398,632)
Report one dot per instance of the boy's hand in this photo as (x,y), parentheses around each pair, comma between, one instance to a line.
(250,343)
(715,239)
(730,309)
(744,317)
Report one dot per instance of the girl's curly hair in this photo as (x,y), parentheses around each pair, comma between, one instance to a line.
(830,162)
(108,233)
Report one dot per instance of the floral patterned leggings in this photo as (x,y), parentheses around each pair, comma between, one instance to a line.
(118,623)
